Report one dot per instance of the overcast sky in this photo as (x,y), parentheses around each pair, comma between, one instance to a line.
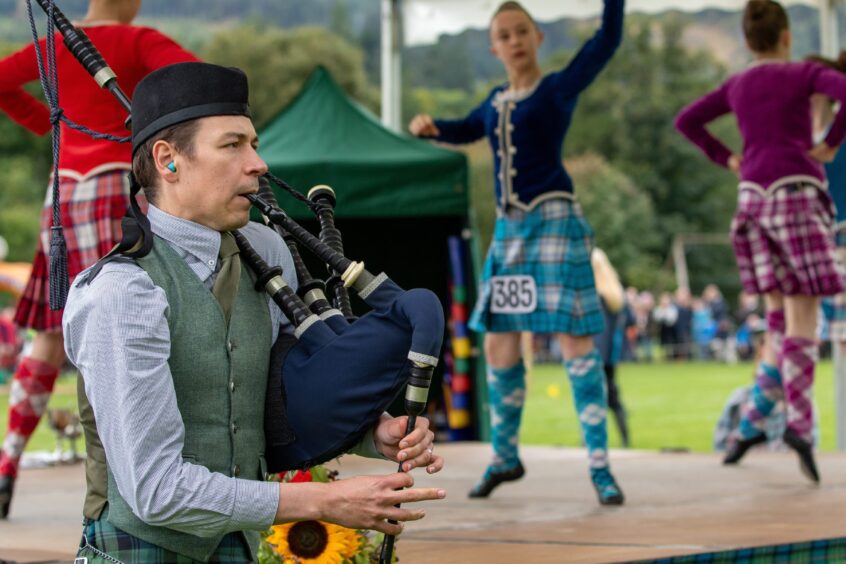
(426,19)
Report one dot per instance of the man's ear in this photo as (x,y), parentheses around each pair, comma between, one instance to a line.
(165,159)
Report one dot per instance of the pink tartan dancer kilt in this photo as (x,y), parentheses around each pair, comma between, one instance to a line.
(783,241)
(91,213)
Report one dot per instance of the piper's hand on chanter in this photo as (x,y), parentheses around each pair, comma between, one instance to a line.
(367,502)
(415,450)
(823,153)
(362,502)
(422,125)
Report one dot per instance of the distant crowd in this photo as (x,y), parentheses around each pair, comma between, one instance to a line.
(681,326)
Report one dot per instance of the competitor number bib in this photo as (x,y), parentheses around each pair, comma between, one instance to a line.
(513,294)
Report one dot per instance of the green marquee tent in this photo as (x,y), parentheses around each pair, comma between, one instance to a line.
(399,199)
(323,137)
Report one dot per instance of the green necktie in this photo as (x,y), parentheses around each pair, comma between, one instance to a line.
(226,284)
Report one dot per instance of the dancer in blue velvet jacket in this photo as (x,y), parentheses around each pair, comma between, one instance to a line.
(538,275)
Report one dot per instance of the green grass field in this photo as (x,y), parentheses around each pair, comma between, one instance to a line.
(670,405)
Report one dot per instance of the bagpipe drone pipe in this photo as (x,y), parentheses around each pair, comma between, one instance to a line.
(342,373)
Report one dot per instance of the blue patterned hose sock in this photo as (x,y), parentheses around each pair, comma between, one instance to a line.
(591,397)
(766,393)
(506,394)
(589,392)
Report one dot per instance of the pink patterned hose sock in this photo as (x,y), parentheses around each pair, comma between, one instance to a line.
(798,358)
(776,326)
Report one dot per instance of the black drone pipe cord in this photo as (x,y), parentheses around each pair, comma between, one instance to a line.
(270,280)
(416,396)
(359,278)
(86,53)
(312,243)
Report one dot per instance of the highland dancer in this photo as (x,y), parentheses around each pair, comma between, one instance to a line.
(782,232)
(538,274)
(94,191)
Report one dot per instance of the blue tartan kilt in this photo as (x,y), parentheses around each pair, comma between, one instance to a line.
(552,244)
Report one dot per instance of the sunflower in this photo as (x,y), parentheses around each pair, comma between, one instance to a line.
(314,542)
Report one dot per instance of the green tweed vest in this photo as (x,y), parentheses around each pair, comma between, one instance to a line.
(220,377)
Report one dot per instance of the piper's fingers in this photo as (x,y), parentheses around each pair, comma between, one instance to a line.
(417,435)
(388,528)
(419,454)
(436,465)
(398,514)
(397,480)
(417,494)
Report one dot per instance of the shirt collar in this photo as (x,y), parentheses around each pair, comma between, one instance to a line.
(187,238)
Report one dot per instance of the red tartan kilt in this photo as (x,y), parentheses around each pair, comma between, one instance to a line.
(91,212)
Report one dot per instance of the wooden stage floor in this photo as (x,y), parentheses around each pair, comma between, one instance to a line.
(676,504)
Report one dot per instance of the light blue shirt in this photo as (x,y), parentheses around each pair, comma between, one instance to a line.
(117,335)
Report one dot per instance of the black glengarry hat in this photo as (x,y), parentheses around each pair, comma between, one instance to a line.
(186,91)
(165,97)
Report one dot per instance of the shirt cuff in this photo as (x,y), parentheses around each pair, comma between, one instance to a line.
(256,504)
(366,447)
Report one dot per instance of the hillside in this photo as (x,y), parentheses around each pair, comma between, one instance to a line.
(194,22)
(717,31)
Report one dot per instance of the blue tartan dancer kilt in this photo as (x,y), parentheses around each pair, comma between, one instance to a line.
(551,244)
(102,542)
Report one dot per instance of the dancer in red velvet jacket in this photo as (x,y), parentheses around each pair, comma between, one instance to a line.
(93,186)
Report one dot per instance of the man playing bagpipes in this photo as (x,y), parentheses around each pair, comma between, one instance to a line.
(174,343)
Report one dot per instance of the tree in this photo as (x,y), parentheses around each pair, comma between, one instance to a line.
(627,117)
(340,21)
(278,62)
(616,208)
(25,160)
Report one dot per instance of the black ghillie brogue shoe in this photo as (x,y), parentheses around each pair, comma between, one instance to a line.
(7,485)
(607,490)
(493,478)
(738,448)
(806,455)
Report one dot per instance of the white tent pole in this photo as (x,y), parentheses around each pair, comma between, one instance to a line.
(830,47)
(391,64)
(829,32)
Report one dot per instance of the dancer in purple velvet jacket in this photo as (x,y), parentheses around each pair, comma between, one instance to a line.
(783,230)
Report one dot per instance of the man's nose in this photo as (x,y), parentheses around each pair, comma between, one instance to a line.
(257,166)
